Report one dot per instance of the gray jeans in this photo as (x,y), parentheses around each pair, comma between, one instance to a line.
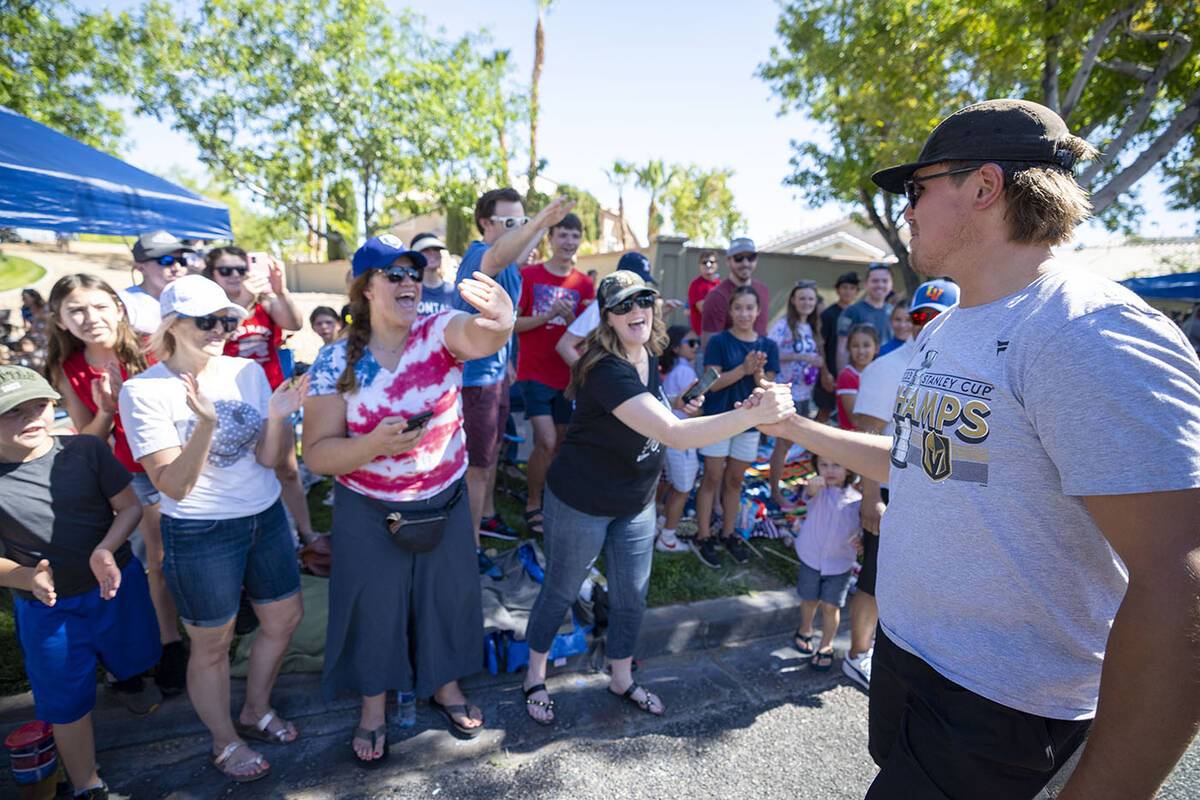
(573,540)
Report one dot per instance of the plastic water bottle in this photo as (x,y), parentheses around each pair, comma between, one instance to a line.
(408,710)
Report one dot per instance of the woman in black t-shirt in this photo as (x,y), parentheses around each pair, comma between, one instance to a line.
(600,488)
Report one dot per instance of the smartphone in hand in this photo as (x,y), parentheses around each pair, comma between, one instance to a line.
(418,421)
(701,386)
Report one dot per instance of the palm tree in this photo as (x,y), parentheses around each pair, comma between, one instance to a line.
(654,177)
(539,57)
(619,176)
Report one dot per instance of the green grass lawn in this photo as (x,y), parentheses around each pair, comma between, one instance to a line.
(17,273)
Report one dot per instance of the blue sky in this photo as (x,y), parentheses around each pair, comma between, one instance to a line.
(642,80)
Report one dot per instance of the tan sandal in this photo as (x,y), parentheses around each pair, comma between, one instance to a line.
(230,769)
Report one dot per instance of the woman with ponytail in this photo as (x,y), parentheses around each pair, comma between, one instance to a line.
(384,416)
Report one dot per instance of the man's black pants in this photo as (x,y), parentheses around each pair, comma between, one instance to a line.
(934,739)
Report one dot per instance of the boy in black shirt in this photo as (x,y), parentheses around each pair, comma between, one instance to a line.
(66,509)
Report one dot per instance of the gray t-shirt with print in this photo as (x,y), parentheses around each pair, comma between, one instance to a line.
(990,567)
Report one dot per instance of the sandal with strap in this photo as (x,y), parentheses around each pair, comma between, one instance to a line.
(803,644)
(535,525)
(286,734)
(374,738)
(455,726)
(546,704)
(646,703)
(822,660)
(230,770)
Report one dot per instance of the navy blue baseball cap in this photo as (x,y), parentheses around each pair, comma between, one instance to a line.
(380,252)
(635,262)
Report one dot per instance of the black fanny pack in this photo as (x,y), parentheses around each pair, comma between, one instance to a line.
(419,531)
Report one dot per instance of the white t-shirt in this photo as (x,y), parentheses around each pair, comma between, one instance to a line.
(232,483)
(677,381)
(878,384)
(991,569)
(142,309)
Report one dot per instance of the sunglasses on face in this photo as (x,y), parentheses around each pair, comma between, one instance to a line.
(228,324)
(691,342)
(225,272)
(709,262)
(923,315)
(745,258)
(169,261)
(913,187)
(397,274)
(510,222)
(625,306)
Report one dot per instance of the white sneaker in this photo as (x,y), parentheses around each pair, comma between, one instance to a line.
(859,669)
(672,545)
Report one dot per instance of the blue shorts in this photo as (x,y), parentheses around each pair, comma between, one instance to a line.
(207,561)
(62,644)
(812,586)
(147,494)
(544,401)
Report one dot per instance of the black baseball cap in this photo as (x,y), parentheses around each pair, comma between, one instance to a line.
(847,277)
(156,244)
(994,130)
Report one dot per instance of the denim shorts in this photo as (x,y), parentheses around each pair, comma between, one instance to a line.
(63,642)
(812,586)
(144,489)
(207,561)
(545,401)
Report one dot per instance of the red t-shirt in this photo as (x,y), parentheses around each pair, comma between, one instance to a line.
(697,291)
(716,307)
(258,338)
(79,374)
(537,359)
(847,383)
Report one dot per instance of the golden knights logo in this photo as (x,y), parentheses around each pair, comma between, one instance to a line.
(935,455)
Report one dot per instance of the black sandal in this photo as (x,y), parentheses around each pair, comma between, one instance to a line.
(822,660)
(455,726)
(535,525)
(373,737)
(803,644)
(546,704)
(647,704)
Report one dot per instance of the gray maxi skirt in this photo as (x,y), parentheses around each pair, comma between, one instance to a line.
(399,620)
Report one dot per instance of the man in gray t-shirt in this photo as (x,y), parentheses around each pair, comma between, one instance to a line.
(1039,561)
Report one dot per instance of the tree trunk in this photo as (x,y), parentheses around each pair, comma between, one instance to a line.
(621,216)
(888,230)
(539,57)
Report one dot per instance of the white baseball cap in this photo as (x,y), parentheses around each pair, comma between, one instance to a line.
(196,296)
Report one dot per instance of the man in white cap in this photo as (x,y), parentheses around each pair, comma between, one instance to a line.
(1039,561)
(436,293)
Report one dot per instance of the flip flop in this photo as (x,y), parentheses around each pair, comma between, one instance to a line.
(535,526)
(645,704)
(455,726)
(803,644)
(821,656)
(373,737)
(221,762)
(546,704)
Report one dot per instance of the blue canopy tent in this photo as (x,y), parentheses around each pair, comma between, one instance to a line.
(54,182)
(1182,287)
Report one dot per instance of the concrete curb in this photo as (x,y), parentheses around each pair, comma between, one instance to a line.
(667,630)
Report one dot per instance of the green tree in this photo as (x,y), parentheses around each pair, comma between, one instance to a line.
(655,178)
(56,65)
(535,81)
(290,98)
(252,229)
(702,206)
(878,75)
(619,176)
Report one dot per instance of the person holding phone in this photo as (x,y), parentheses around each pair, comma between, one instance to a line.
(384,415)
(600,489)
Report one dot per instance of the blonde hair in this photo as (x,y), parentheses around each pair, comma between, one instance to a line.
(603,341)
(162,341)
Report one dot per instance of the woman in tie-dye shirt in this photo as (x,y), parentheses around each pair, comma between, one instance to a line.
(400,619)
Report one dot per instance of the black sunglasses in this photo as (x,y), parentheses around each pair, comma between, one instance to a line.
(913,188)
(745,258)
(708,262)
(397,274)
(225,272)
(167,261)
(625,306)
(692,342)
(228,324)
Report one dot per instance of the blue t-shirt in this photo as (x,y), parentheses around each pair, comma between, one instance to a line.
(489,370)
(889,346)
(435,300)
(725,351)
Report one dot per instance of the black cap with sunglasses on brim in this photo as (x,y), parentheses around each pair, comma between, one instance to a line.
(620,286)
(994,130)
(157,244)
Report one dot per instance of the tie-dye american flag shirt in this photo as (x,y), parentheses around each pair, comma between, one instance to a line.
(428,377)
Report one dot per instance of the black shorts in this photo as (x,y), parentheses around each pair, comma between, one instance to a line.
(822,398)
(870,559)
(934,740)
